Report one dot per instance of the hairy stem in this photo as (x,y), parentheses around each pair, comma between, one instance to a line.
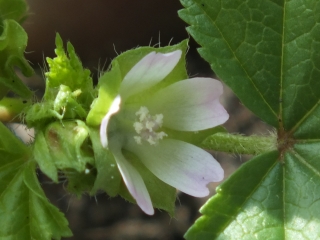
(239,144)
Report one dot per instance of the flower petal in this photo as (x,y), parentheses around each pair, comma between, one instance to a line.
(114,108)
(179,164)
(190,105)
(150,70)
(134,182)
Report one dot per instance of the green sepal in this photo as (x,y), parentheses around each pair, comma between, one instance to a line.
(63,146)
(80,182)
(42,156)
(13,42)
(163,196)
(110,81)
(68,145)
(108,177)
(39,114)
(108,86)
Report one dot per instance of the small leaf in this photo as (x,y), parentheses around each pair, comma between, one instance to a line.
(66,69)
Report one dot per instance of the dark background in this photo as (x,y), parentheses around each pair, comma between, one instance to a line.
(99,29)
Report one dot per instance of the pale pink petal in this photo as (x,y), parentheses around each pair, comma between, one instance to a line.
(149,71)
(114,108)
(179,164)
(134,182)
(190,105)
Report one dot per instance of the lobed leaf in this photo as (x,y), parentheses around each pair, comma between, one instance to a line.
(242,41)
(25,212)
(267,51)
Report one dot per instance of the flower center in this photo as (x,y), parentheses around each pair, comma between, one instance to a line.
(147,125)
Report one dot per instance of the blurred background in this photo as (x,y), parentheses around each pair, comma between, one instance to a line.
(99,30)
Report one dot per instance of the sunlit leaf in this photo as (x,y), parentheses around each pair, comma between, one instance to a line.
(268,53)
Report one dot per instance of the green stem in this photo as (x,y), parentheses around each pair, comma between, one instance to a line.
(10,109)
(239,144)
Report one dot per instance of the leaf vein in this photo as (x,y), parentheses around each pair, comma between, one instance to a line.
(236,58)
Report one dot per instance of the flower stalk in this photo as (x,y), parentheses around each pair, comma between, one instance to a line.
(239,144)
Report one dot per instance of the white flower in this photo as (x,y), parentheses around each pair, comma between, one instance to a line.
(139,127)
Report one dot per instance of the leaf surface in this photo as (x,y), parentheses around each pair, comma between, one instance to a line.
(267,51)
(25,212)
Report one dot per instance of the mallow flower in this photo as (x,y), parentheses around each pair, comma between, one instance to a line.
(141,126)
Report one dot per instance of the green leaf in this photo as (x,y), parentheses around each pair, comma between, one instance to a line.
(24,210)
(46,221)
(268,53)
(243,44)
(25,213)
(13,42)
(247,206)
(66,69)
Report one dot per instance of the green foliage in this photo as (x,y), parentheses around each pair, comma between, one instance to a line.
(268,53)
(25,213)
(63,146)
(13,41)
(261,211)
(69,89)
(67,70)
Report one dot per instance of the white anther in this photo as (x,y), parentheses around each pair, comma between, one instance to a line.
(147,126)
